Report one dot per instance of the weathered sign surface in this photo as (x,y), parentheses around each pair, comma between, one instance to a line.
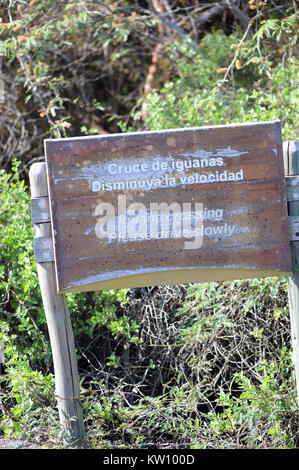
(165,207)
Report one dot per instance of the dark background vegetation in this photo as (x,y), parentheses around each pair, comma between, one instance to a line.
(191,366)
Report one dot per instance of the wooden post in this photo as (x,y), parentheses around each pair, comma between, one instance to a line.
(291,164)
(57,315)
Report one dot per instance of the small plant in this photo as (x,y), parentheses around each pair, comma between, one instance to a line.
(258,415)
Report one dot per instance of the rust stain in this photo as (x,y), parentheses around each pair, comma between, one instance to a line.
(171,142)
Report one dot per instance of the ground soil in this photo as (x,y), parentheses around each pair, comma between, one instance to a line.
(16,444)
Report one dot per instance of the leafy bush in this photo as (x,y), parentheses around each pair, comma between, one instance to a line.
(57,76)
(22,321)
(229,80)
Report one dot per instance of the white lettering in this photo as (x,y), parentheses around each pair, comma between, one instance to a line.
(106,224)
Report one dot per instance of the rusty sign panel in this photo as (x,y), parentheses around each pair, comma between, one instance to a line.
(166,207)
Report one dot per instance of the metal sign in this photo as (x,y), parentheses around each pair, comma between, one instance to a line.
(168,207)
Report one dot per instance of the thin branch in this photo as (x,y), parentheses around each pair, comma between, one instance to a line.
(215,10)
(239,14)
(163,18)
(231,65)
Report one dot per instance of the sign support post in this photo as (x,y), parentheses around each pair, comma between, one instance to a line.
(291,164)
(57,315)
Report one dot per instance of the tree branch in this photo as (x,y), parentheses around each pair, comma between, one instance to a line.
(215,10)
(219,8)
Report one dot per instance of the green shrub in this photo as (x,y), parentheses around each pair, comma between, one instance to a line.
(28,381)
(228,80)
(23,325)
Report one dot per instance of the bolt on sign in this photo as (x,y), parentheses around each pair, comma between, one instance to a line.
(168,207)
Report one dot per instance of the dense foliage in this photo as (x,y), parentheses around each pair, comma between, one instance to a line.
(201,366)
